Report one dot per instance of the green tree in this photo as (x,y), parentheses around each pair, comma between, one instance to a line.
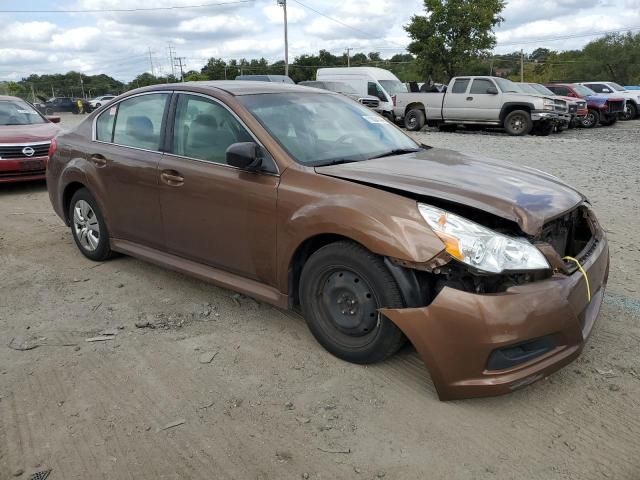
(452,32)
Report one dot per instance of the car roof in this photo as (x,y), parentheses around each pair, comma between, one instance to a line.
(233,87)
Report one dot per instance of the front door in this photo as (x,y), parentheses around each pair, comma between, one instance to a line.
(124,156)
(482,105)
(214,213)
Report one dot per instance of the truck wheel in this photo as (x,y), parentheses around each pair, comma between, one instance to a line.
(414,120)
(341,289)
(592,119)
(518,123)
(630,112)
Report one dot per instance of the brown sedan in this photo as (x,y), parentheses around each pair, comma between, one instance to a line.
(307,200)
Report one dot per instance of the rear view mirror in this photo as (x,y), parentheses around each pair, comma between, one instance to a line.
(492,91)
(244,155)
(53,119)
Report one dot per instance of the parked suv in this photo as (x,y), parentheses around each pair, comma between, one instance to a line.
(62,104)
(345,89)
(478,102)
(601,110)
(612,89)
(307,200)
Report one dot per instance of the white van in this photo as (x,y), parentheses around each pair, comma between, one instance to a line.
(374,81)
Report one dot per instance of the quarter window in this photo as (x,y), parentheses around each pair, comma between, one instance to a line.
(139,121)
(104,125)
(204,129)
(480,86)
(460,86)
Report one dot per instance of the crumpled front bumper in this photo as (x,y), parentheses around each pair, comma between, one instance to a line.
(456,334)
(538,115)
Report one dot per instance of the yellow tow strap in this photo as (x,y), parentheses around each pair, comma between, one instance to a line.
(584,274)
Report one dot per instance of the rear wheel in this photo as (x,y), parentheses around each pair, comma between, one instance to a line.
(88,227)
(592,119)
(518,123)
(341,289)
(414,120)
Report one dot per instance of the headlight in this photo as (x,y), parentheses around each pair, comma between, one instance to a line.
(547,104)
(481,247)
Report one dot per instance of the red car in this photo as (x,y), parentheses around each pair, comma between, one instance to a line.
(26,140)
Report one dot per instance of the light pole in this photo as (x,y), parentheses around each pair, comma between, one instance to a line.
(283,4)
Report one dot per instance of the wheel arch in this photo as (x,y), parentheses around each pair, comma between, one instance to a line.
(509,107)
(67,194)
(415,105)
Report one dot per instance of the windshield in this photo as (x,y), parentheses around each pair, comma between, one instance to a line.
(526,88)
(340,87)
(393,87)
(583,91)
(617,87)
(542,89)
(319,129)
(18,112)
(507,85)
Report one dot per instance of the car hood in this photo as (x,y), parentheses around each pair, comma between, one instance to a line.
(39,132)
(524,195)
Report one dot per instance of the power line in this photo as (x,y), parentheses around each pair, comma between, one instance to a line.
(369,34)
(140,9)
(569,36)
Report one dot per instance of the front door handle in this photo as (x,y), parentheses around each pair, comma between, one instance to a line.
(98,160)
(172,178)
(469,99)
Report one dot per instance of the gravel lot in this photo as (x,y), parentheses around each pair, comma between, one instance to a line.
(272,404)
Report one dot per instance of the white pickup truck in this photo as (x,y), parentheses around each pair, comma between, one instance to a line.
(481,101)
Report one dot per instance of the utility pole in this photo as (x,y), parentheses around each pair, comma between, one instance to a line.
(491,68)
(171,62)
(33,94)
(151,62)
(521,65)
(180,63)
(283,4)
(349,56)
(82,85)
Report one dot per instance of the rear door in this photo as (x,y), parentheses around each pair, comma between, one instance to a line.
(214,213)
(125,153)
(455,100)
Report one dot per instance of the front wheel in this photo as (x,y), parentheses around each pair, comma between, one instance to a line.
(88,227)
(341,289)
(630,111)
(592,119)
(518,123)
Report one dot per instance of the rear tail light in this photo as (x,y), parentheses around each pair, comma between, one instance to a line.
(52,147)
(393,99)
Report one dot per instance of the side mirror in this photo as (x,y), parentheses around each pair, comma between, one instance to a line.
(492,91)
(53,118)
(244,155)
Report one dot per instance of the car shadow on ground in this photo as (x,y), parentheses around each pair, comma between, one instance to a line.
(18,188)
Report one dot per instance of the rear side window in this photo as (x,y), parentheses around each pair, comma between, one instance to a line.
(204,129)
(460,86)
(481,85)
(139,121)
(559,90)
(104,125)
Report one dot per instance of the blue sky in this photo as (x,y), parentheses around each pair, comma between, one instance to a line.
(117,43)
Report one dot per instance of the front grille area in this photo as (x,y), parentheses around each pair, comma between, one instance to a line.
(616,106)
(369,102)
(573,108)
(560,106)
(570,234)
(16,151)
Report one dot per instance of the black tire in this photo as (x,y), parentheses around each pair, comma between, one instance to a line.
(341,287)
(414,120)
(102,250)
(48,111)
(518,123)
(447,127)
(630,112)
(592,119)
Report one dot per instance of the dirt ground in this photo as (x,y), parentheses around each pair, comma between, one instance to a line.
(150,403)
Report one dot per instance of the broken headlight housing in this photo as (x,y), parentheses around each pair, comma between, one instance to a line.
(481,247)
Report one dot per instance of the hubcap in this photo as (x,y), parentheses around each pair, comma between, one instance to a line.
(517,123)
(86,226)
(349,303)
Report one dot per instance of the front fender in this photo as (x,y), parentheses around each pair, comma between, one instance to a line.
(388,224)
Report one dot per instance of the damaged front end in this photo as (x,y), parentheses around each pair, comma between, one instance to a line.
(481,333)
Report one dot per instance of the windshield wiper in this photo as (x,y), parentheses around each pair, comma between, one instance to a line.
(339,161)
(396,151)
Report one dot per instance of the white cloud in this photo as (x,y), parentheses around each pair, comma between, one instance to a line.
(76,38)
(27,32)
(219,24)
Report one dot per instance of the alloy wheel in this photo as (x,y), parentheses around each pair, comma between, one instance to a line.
(518,123)
(86,226)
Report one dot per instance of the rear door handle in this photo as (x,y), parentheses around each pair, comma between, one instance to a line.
(98,160)
(469,99)
(172,178)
